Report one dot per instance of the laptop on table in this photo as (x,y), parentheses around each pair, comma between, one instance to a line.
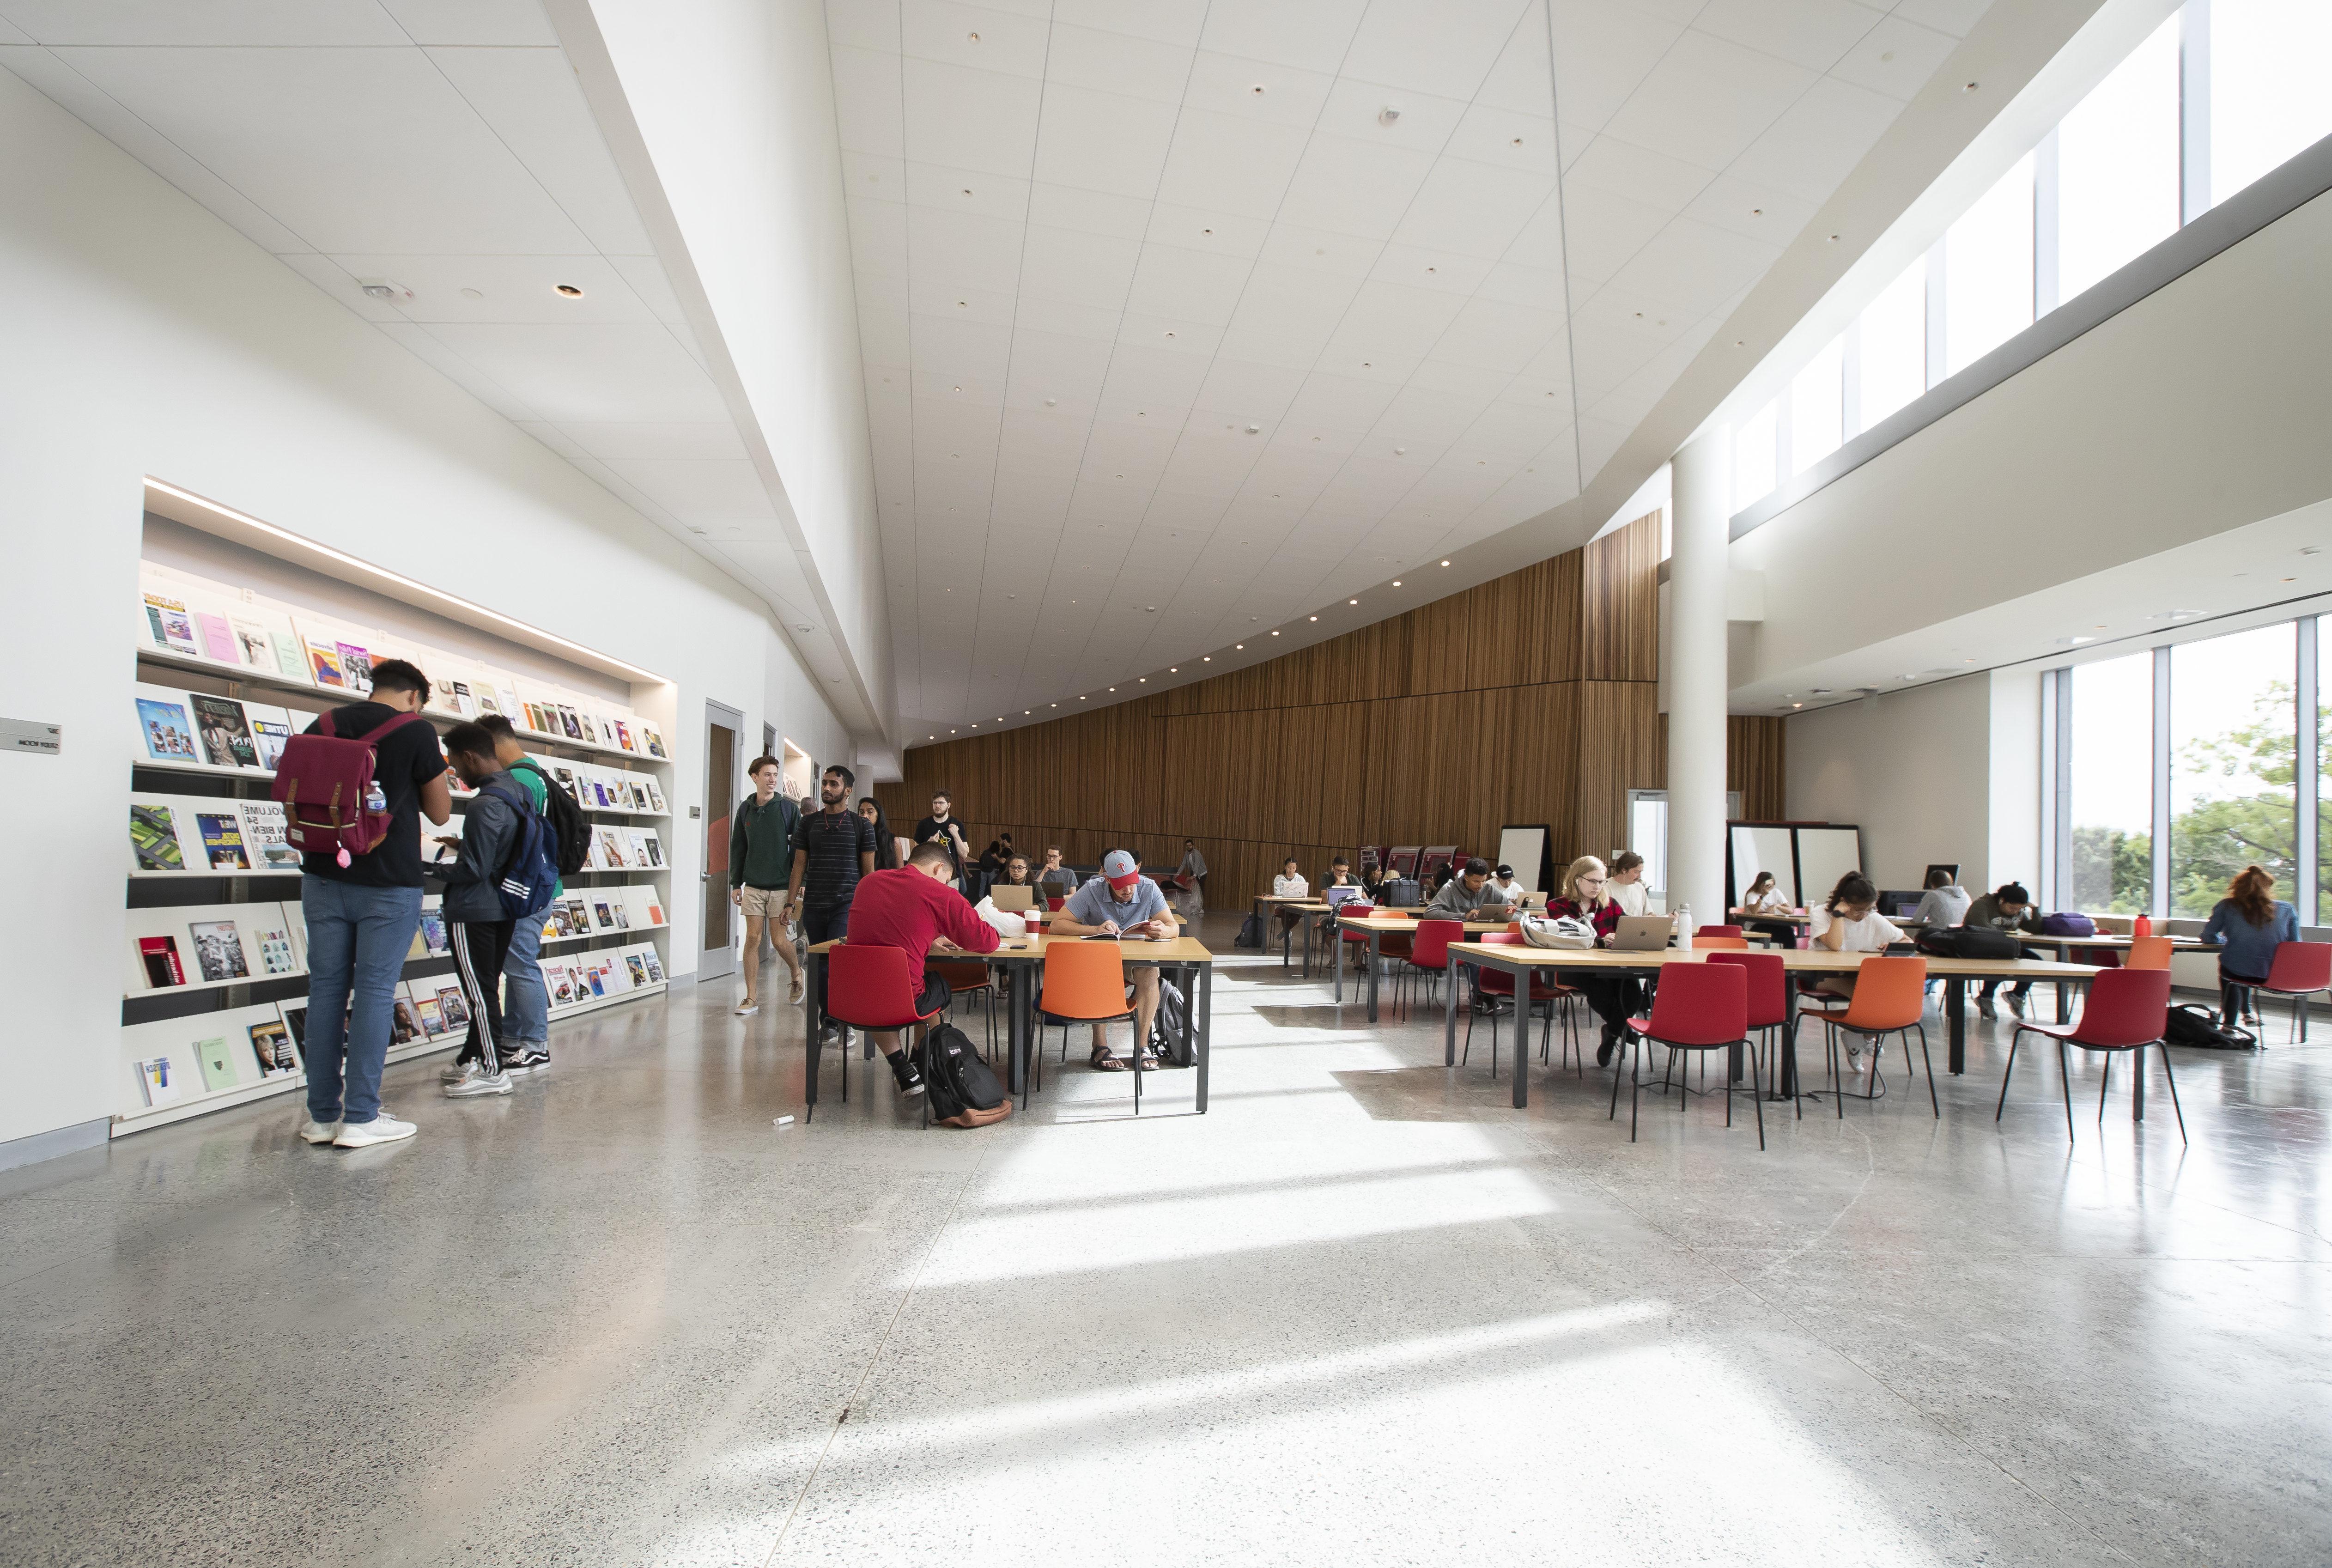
(1643,933)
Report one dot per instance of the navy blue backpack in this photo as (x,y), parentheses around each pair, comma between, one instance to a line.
(529,878)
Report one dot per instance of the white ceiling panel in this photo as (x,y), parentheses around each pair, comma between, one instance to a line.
(1283,307)
(702,491)
(473,23)
(531,101)
(260,23)
(597,374)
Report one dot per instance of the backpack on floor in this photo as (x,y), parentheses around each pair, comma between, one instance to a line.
(1250,932)
(1166,1029)
(1967,942)
(2193,1024)
(567,824)
(958,1089)
(333,804)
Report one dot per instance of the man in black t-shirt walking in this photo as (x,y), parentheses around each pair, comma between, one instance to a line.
(361,917)
(833,848)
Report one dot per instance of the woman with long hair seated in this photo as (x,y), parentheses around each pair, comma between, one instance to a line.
(1585,895)
(2246,925)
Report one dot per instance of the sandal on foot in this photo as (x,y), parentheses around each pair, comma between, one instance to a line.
(1103,1062)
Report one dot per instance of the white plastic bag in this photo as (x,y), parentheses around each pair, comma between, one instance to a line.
(1562,930)
(1005,921)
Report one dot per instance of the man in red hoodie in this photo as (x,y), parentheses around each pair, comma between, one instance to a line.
(917,909)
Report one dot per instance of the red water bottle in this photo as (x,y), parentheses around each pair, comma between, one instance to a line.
(2142,926)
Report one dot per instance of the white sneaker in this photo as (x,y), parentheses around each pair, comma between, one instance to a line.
(749,1010)
(451,1073)
(314,1132)
(475,1080)
(382,1129)
(794,992)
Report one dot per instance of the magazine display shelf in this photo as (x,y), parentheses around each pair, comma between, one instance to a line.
(259,884)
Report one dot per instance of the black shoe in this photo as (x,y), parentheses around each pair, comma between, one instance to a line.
(903,1069)
(1610,1043)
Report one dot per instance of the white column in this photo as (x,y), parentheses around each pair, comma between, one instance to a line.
(1697,676)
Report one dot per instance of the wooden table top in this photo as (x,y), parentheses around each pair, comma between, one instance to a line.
(1500,956)
(1409,923)
(1030,949)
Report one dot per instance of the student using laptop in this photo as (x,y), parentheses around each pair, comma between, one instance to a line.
(1586,896)
(1468,896)
(1510,892)
(1120,902)
(1056,879)
(1290,884)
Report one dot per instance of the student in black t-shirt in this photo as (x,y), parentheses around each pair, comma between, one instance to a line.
(833,848)
(361,917)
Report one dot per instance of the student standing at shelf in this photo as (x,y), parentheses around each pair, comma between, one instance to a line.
(474,919)
(1628,884)
(526,1000)
(834,847)
(761,855)
(361,916)
(1120,902)
(917,909)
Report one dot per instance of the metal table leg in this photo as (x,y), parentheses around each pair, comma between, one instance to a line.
(1521,1040)
(1335,936)
(1373,962)
(1956,1015)
(1202,1020)
(1449,1011)
(817,1029)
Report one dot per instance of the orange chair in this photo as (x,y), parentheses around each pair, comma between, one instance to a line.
(1718,942)
(2148,953)
(1490,982)
(1084,983)
(866,988)
(1889,994)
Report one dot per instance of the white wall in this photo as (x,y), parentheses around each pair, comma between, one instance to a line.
(145,337)
(1923,776)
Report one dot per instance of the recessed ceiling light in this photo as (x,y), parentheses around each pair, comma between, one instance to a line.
(930,737)
(1239,647)
(1252,429)
(959,389)
(1113,688)
(1445,563)
(1757,212)
(570,290)
(1396,583)
(1387,114)
(471,294)
(951,732)
(1969,87)
(1797,704)
(974,37)
(959,304)
(1315,617)
(2291,579)
(1049,402)
(1173,669)
(1205,658)
(1170,334)
(1026,712)
(1352,601)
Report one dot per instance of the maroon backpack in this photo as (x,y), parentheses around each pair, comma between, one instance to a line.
(332,804)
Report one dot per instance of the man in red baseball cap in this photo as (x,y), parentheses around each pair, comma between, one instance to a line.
(1120,902)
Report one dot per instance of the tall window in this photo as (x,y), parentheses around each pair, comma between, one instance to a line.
(1988,271)
(2323,765)
(1817,414)
(2118,165)
(2112,785)
(2271,86)
(1894,346)
(2232,738)
(1752,455)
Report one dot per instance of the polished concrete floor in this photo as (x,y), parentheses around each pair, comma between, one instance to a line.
(1361,1313)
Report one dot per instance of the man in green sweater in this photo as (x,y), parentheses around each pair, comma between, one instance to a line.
(760,859)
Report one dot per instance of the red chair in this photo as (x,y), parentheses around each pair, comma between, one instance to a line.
(1491,982)
(2127,1010)
(2298,970)
(1702,931)
(1052,903)
(1769,1001)
(1428,955)
(1699,1006)
(1890,995)
(866,988)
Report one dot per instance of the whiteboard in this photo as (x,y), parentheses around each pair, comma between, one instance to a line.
(1760,849)
(1525,849)
(1825,855)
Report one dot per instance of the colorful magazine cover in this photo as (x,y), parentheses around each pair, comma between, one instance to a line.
(218,950)
(159,954)
(222,833)
(156,1081)
(324,663)
(172,627)
(654,961)
(225,732)
(263,837)
(155,837)
(356,667)
(270,734)
(273,940)
(168,737)
(271,1048)
(215,1057)
(218,637)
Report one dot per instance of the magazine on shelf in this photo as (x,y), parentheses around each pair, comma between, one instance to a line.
(356,668)
(215,1056)
(171,626)
(271,941)
(431,936)
(254,649)
(453,1006)
(271,1047)
(225,731)
(158,956)
(218,638)
(559,980)
(637,967)
(221,836)
(403,1023)
(324,663)
(294,1014)
(218,950)
(162,721)
(158,1084)
(263,836)
(432,1016)
(654,960)
(648,849)
(154,836)
(272,730)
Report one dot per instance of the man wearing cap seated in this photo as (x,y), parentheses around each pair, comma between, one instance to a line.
(1120,902)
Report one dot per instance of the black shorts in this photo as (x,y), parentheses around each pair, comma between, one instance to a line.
(935,995)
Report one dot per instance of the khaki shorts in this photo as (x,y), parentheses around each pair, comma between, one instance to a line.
(763,903)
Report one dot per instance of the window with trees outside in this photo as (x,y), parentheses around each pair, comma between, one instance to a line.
(2111,778)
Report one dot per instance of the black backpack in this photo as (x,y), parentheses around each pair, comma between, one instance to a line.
(1402,893)
(958,1089)
(1166,1029)
(2193,1024)
(1250,932)
(1968,941)
(573,833)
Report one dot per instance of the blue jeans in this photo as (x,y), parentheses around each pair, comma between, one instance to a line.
(357,938)
(526,1005)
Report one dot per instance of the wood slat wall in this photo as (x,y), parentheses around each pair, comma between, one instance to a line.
(1531,698)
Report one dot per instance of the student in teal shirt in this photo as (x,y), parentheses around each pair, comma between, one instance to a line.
(526,1000)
